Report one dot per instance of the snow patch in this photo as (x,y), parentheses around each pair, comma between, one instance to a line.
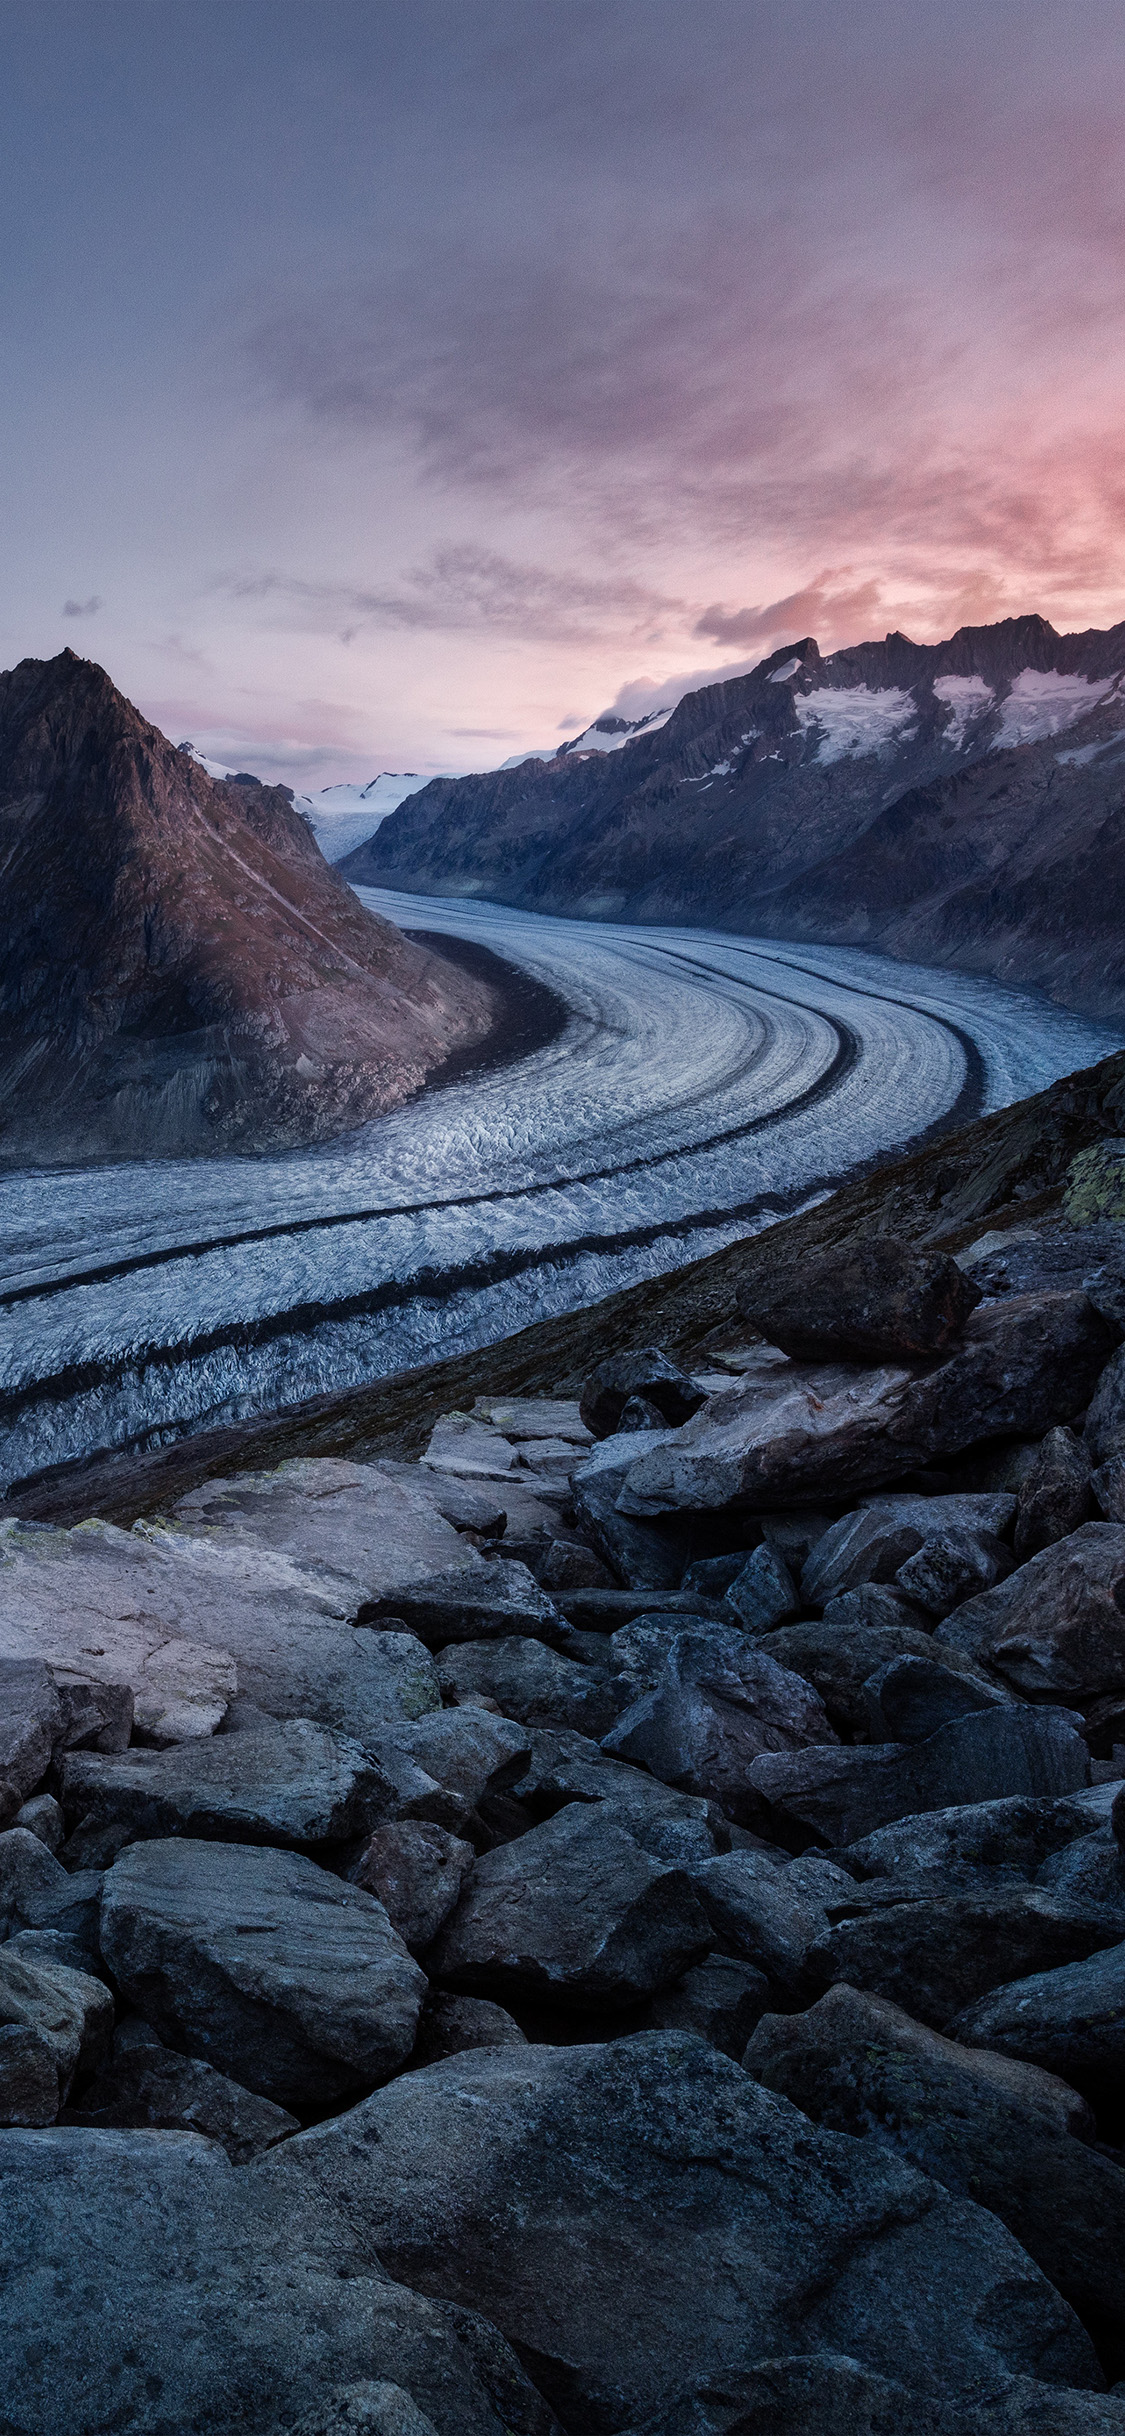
(857,719)
(604,738)
(1044,703)
(968,699)
(345,816)
(781,676)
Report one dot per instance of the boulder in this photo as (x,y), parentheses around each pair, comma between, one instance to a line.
(839,1657)
(1015,1835)
(771,1913)
(868,1300)
(911,1697)
(531,1683)
(717,1705)
(468,1448)
(719,2000)
(499,1598)
(1056,1628)
(951,1567)
(416,1871)
(262,1964)
(985,2127)
(648,1374)
(450,2025)
(368,1531)
(809,1433)
(939,1953)
(70,2011)
(42,1817)
(640,1555)
(92,1601)
(37,1892)
(31,1721)
(823,2393)
(840,1795)
(581,2197)
(371,2407)
(570,1565)
(145,2086)
(1104,1431)
(1091,1871)
(96,1715)
(1095,1183)
(1070,2021)
(764,1594)
(151,2285)
(574,1914)
(445,1765)
(531,1417)
(1055,1495)
(29,2076)
(291,1783)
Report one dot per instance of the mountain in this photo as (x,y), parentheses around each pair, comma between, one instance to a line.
(344,816)
(180,969)
(956,802)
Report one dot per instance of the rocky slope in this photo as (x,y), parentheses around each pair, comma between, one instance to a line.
(614,1926)
(180,970)
(955,802)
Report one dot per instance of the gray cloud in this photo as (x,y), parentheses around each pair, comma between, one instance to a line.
(465,587)
(83,608)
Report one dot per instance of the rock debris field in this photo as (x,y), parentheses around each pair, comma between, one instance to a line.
(614,1927)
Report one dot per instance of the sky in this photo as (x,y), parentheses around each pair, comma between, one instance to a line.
(398,384)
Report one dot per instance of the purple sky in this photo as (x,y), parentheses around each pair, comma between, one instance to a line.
(397,386)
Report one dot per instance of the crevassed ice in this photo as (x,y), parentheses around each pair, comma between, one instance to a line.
(1043,703)
(857,719)
(968,698)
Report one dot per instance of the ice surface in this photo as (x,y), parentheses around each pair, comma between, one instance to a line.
(856,719)
(597,739)
(704,1085)
(345,816)
(1043,703)
(780,676)
(968,699)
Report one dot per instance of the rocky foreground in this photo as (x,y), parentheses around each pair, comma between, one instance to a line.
(614,1924)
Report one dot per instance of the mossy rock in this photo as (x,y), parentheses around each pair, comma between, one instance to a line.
(1095,1184)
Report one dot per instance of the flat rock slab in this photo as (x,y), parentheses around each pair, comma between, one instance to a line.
(262,1964)
(371,1531)
(806,1432)
(842,1795)
(492,1600)
(288,1784)
(103,2231)
(574,1913)
(581,2197)
(94,1599)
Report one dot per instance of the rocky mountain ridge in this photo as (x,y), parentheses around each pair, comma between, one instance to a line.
(952,802)
(180,970)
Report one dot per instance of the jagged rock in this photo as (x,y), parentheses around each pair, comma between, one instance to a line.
(368,2408)
(144,2086)
(718,1703)
(984,2126)
(647,1374)
(719,2000)
(37,1892)
(875,1605)
(573,1913)
(941,1952)
(31,1720)
(148,2224)
(29,2076)
(446,1764)
(640,1649)
(1095,1183)
(638,1413)
(1016,1834)
(532,1683)
(71,2011)
(497,2177)
(97,1716)
(877,1298)
(912,1697)
(712,1576)
(840,1658)
(416,1871)
(641,1555)
(771,1914)
(947,1570)
(262,1964)
(764,1594)
(1107,1484)
(42,1817)
(914,1542)
(821,1433)
(499,1598)
(570,1565)
(1071,2021)
(1056,1627)
(568,1768)
(1055,1495)
(283,1784)
(841,1795)
(823,2393)
(866,1546)
(1091,1870)
(1104,1431)
(450,2025)
(467,1504)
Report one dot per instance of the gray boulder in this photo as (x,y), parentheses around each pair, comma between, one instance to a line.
(258,1962)
(718,1704)
(575,1914)
(772,1913)
(145,2086)
(29,2076)
(570,1565)
(371,2407)
(31,1720)
(871,1544)
(764,1593)
(640,1555)
(69,2010)
(972,1841)
(498,1598)
(105,2231)
(567,1768)
(450,2025)
(647,1373)
(911,1697)
(416,1871)
(719,2000)
(532,1683)
(867,1300)
(1056,1628)
(810,1433)
(499,2177)
(823,2393)
(1070,2021)
(368,1531)
(42,1817)
(37,1892)
(939,1953)
(990,2129)
(446,1764)
(1055,1495)
(1104,1430)
(839,1656)
(292,1783)
(840,1795)
(950,1567)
